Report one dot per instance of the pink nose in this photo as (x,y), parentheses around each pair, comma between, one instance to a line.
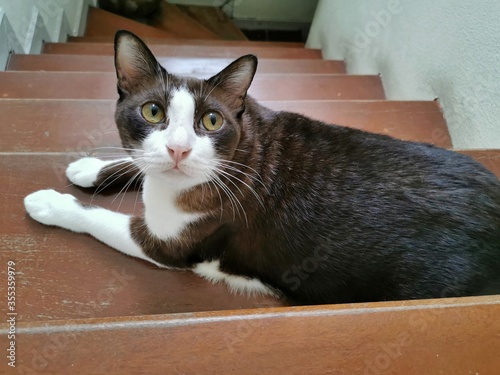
(178,153)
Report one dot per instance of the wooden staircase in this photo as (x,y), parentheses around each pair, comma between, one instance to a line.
(83,308)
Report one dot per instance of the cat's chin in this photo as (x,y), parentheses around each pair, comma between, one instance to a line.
(176,178)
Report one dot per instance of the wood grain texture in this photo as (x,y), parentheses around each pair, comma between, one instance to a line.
(102,23)
(215,19)
(489,158)
(447,336)
(185,66)
(80,125)
(202,51)
(63,275)
(98,85)
(173,20)
(84,308)
(195,42)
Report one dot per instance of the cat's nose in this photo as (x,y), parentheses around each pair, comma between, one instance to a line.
(178,153)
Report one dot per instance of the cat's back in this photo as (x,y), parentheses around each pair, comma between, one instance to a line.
(337,175)
(338,151)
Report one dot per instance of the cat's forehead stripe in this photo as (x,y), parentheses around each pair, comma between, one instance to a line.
(181,95)
(180,113)
(181,107)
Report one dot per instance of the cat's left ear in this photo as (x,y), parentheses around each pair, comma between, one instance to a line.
(134,62)
(236,78)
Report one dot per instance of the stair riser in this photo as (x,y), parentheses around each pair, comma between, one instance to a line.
(192,42)
(76,125)
(57,85)
(187,51)
(410,338)
(59,258)
(171,19)
(186,66)
(102,23)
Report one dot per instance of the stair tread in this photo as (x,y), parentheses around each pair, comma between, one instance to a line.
(51,283)
(296,340)
(187,51)
(192,41)
(80,125)
(214,19)
(187,66)
(103,23)
(171,19)
(489,158)
(99,85)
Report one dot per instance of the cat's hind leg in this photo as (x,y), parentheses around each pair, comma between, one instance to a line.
(64,210)
(93,172)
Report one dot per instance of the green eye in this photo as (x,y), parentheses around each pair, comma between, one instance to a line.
(212,121)
(153,113)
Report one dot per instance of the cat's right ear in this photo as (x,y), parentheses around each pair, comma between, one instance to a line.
(236,78)
(134,62)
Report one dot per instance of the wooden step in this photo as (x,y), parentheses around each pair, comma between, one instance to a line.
(185,66)
(102,23)
(489,158)
(173,20)
(192,42)
(64,275)
(445,336)
(215,19)
(91,85)
(81,125)
(187,51)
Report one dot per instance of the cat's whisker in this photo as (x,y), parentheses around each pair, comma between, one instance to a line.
(258,179)
(209,183)
(127,166)
(252,190)
(228,177)
(233,198)
(138,179)
(114,148)
(240,150)
(124,190)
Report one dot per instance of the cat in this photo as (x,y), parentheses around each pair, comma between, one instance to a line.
(280,204)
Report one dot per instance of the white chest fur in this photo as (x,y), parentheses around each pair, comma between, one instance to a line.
(163,218)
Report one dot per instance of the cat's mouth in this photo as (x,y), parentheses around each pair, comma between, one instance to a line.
(177,170)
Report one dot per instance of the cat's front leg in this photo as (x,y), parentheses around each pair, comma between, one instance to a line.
(64,210)
(93,172)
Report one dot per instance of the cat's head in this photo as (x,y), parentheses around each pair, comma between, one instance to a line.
(177,127)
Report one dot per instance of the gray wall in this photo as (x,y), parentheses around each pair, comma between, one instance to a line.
(426,49)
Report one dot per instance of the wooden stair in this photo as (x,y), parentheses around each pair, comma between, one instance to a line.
(85,309)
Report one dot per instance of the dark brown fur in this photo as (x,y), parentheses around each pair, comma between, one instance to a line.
(345,215)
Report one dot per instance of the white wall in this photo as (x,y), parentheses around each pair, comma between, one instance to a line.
(426,49)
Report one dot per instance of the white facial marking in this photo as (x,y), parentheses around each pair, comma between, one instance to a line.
(180,113)
(239,284)
(198,166)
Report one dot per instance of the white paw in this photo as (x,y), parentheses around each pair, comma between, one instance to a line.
(84,172)
(52,208)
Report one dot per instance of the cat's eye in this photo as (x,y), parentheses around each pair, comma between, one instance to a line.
(212,121)
(153,113)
